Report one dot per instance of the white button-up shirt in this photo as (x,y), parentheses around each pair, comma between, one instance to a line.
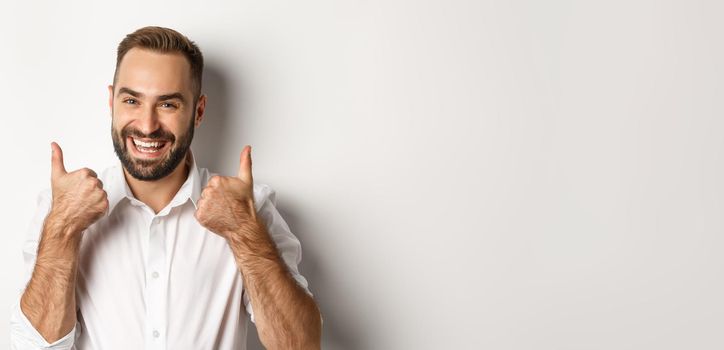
(155,281)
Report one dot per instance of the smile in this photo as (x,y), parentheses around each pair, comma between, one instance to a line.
(147,148)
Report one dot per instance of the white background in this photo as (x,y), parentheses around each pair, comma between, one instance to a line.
(462,174)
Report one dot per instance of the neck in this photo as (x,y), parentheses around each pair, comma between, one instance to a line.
(157,194)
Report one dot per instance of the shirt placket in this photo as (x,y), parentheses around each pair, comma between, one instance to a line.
(156,286)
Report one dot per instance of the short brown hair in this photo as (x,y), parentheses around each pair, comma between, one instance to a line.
(164,40)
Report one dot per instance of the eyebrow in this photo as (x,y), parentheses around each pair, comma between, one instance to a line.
(175,95)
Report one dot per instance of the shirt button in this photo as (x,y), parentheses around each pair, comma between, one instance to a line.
(156,333)
(154,274)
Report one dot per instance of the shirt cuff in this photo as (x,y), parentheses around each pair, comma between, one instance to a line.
(24,336)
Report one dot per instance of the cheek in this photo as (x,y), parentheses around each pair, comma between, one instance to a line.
(173,125)
(122,116)
(118,123)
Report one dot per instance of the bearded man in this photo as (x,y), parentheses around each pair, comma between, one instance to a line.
(154,252)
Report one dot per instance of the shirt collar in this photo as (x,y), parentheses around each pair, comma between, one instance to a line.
(117,188)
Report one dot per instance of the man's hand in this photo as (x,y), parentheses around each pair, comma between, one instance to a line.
(226,206)
(78,197)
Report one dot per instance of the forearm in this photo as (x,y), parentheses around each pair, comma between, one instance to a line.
(49,298)
(285,315)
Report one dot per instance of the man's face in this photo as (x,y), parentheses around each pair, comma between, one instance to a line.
(153,112)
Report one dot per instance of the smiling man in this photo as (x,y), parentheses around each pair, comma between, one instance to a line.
(154,252)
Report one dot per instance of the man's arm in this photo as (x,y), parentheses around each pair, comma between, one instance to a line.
(49,298)
(23,334)
(48,302)
(286,316)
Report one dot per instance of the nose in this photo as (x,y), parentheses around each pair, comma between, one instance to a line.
(148,121)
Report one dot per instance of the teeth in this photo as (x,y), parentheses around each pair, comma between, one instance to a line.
(147,144)
(146,150)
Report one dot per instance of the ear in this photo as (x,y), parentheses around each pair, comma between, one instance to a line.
(200,108)
(110,98)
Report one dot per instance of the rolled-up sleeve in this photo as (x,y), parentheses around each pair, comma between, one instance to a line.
(289,247)
(22,333)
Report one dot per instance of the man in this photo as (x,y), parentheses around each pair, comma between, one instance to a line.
(156,253)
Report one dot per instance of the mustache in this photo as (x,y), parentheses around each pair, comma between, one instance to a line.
(159,134)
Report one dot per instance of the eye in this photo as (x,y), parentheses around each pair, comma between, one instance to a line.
(167,105)
(130,101)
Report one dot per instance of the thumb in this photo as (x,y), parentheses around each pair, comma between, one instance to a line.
(57,167)
(245,165)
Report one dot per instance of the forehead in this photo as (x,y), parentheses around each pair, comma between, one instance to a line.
(154,73)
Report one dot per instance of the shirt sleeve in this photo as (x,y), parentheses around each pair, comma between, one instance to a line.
(22,333)
(290,249)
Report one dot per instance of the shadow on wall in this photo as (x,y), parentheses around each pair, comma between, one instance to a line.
(208,142)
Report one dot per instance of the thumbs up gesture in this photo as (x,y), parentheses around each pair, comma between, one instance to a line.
(226,206)
(78,197)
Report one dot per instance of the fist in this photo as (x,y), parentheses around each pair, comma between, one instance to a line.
(226,206)
(78,197)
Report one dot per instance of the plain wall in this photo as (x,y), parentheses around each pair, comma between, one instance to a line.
(461,174)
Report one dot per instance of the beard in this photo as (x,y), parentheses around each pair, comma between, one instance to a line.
(152,169)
